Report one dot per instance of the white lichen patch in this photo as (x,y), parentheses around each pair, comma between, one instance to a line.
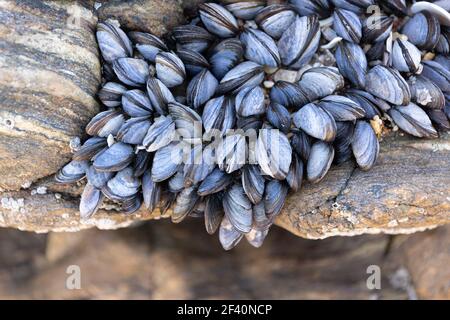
(26,185)
(39,190)
(15,205)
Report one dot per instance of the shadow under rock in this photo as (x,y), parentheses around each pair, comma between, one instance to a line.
(160,260)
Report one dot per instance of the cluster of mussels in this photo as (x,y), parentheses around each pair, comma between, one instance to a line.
(312,80)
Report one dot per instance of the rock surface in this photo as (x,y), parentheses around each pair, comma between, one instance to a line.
(49,74)
(426,256)
(155,16)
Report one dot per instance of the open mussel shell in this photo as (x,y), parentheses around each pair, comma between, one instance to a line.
(355,6)
(347,25)
(90,148)
(218,20)
(134,130)
(170,69)
(319,162)
(316,122)
(111,94)
(105,123)
(136,103)
(113,42)
(273,153)
(320,8)
(192,37)
(245,74)
(250,101)
(253,183)
(413,120)
(437,73)
(238,208)
(387,83)
(159,95)
(288,94)
(148,44)
(229,236)
(131,71)
(299,42)
(115,158)
(97,178)
(301,143)
(260,48)
(160,133)
(319,82)
(193,61)
(91,199)
(184,204)
(274,198)
(214,212)
(201,88)
(423,30)
(275,19)
(167,161)
(406,57)
(295,175)
(352,63)
(279,117)
(123,186)
(225,56)
(343,141)
(365,145)
(377,30)
(425,93)
(342,108)
(219,113)
(72,172)
(245,9)
(232,152)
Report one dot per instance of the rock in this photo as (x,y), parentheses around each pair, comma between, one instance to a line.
(161,260)
(50,73)
(426,257)
(154,16)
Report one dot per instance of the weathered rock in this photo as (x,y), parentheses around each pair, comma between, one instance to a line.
(426,257)
(161,260)
(407,191)
(49,75)
(155,16)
